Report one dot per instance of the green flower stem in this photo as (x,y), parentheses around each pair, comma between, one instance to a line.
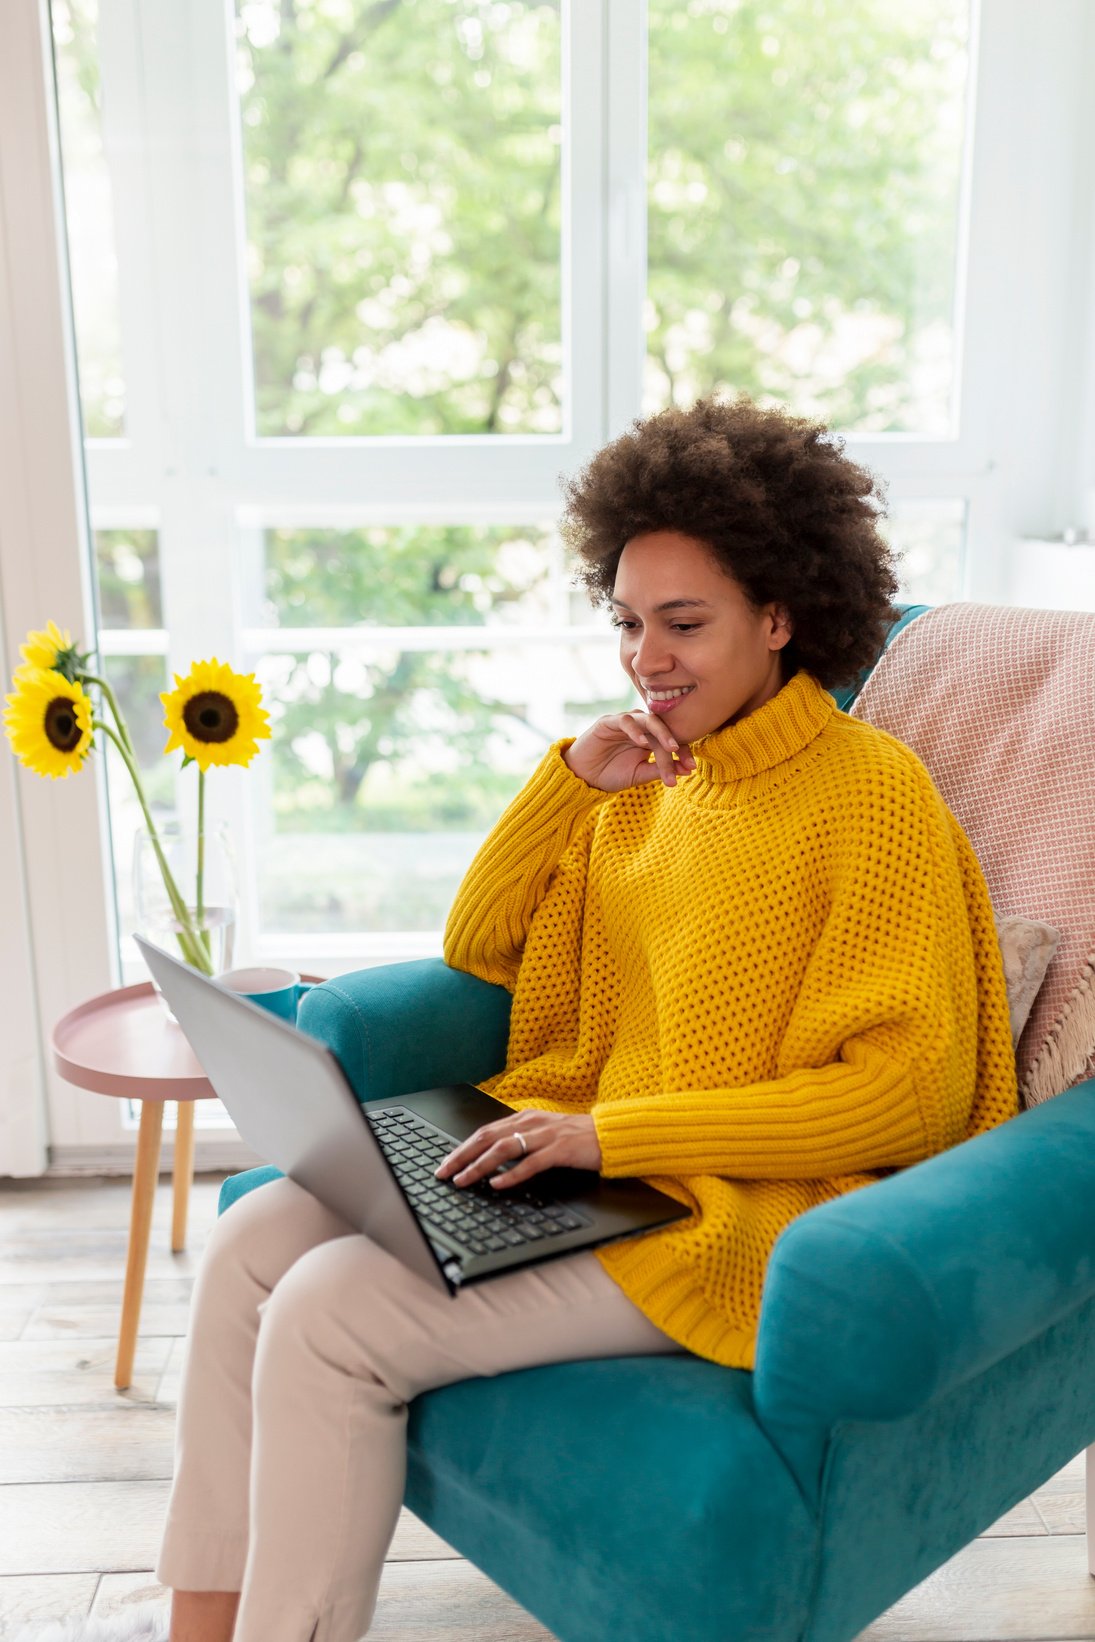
(203,934)
(192,948)
(123,727)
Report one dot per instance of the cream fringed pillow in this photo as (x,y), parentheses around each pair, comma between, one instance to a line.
(1028,949)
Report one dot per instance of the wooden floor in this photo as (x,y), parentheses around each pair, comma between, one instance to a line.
(85,1470)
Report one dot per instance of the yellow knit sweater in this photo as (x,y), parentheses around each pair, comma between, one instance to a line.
(770,985)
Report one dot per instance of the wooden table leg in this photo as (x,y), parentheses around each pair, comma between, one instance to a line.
(183,1172)
(145,1172)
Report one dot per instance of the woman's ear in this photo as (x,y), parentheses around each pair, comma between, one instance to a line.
(783,627)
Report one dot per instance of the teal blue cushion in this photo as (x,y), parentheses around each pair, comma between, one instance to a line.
(238,1185)
(401,1027)
(622,1497)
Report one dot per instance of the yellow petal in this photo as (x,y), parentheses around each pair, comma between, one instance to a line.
(27,721)
(240,690)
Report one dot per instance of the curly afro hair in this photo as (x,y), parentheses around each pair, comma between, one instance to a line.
(785,513)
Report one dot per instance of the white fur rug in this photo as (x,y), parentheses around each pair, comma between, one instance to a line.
(147,1623)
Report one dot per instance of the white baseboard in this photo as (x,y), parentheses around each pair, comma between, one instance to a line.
(210,1157)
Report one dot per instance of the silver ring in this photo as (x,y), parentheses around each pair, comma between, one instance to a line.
(518,1136)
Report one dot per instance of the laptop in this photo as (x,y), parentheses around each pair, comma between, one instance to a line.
(373,1163)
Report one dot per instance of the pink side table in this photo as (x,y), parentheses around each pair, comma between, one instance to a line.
(122,1044)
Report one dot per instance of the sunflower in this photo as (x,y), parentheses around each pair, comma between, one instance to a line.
(48,721)
(52,649)
(215,715)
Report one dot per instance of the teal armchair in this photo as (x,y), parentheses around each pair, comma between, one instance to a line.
(925,1359)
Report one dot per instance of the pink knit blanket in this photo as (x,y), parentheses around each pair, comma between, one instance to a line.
(999,704)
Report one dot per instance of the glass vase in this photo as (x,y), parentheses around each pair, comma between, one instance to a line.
(205,936)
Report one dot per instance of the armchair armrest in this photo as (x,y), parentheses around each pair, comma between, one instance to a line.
(883,1300)
(401,1027)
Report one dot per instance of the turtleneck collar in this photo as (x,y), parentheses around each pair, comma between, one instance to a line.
(786,723)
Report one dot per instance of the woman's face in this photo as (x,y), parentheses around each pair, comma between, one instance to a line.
(686,625)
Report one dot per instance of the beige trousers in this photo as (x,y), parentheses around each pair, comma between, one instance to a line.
(306,1343)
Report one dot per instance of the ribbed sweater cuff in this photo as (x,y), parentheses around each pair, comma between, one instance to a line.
(839,1120)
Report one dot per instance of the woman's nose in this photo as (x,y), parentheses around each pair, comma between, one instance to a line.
(651,656)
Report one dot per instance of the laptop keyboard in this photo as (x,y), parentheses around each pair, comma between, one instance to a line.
(480,1217)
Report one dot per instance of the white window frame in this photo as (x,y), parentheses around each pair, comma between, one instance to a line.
(173,67)
(1017,455)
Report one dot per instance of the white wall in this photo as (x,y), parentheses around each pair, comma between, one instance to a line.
(52,833)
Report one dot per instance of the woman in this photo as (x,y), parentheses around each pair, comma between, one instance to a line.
(752,959)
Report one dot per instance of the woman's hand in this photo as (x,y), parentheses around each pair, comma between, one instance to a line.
(554,1140)
(613,752)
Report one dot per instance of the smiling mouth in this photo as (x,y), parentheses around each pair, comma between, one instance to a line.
(669,695)
(664,701)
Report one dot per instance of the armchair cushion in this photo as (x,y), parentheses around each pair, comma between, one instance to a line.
(401,1027)
(644,1478)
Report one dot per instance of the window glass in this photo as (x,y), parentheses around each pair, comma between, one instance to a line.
(407,576)
(136,682)
(402,183)
(128,567)
(386,775)
(89,215)
(804,165)
(931,536)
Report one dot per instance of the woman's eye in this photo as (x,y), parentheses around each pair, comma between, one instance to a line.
(678,627)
